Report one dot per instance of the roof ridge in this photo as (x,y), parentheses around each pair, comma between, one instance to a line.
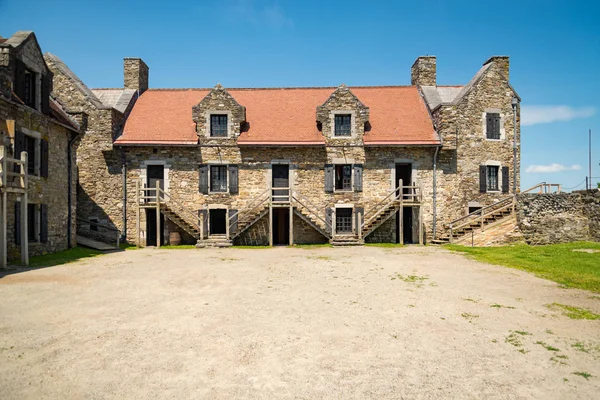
(284,88)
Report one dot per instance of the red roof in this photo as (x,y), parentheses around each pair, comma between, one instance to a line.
(281,116)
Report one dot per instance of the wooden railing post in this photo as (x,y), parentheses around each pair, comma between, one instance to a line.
(360,227)
(333,224)
(137,213)
(24,218)
(158,227)
(3,208)
(451,234)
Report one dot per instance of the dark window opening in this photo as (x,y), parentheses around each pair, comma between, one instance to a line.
(343,125)
(218,178)
(474,208)
(493,125)
(93,226)
(343,220)
(30,144)
(29,88)
(218,125)
(218,221)
(343,177)
(492,177)
(32,219)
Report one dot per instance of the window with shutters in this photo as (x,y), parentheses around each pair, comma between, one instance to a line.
(31,149)
(493,121)
(343,125)
(218,125)
(33,222)
(218,178)
(343,177)
(492,177)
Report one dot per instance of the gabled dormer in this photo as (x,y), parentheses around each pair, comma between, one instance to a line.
(219,117)
(24,75)
(343,117)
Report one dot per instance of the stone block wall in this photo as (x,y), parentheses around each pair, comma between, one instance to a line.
(559,218)
(51,191)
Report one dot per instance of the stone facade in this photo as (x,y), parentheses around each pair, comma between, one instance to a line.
(559,218)
(54,137)
(135,74)
(423,71)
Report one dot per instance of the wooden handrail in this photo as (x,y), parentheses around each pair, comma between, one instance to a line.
(257,201)
(181,208)
(309,206)
(103,226)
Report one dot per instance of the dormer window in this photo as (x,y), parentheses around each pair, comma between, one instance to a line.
(343,125)
(493,126)
(218,125)
(29,88)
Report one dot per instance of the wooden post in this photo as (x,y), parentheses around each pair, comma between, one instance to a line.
(420,225)
(201,226)
(401,214)
(482,220)
(270,224)
(24,218)
(3,208)
(291,224)
(359,227)
(333,223)
(137,213)
(158,227)
(227,222)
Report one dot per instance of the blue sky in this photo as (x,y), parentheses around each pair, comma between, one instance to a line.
(554,48)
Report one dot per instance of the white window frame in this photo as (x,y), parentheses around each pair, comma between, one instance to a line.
(217,207)
(493,163)
(484,124)
(332,115)
(210,165)
(38,151)
(207,118)
(344,205)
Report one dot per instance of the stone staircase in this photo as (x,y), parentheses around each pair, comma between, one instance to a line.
(346,240)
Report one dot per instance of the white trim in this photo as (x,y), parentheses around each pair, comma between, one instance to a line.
(207,115)
(144,172)
(494,163)
(219,164)
(413,173)
(37,156)
(217,207)
(332,115)
(484,124)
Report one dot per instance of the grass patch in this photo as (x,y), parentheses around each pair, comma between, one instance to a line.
(127,246)
(495,305)
(251,247)
(63,257)
(385,245)
(470,299)
(547,346)
(515,339)
(410,278)
(573,312)
(558,262)
(311,246)
(179,247)
(469,317)
(584,375)
(324,258)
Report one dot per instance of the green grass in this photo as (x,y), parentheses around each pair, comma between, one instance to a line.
(179,247)
(385,245)
(311,246)
(251,247)
(585,375)
(127,246)
(62,257)
(547,346)
(573,312)
(558,262)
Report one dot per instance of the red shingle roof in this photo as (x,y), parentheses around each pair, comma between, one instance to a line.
(280,116)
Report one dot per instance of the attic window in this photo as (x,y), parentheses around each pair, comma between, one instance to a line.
(29,88)
(218,125)
(343,125)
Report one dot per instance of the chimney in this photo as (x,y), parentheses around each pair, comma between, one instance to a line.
(135,74)
(502,62)
(422,72)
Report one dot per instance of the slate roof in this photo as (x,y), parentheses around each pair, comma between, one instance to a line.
(118,99)
(281,116)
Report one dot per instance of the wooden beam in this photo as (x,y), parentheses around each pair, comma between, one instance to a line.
(420,225)
(291,225)
(271,225)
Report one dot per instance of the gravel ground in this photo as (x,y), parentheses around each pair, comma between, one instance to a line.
(344,323)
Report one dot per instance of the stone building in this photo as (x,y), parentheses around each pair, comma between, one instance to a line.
(38,216)
(293,165)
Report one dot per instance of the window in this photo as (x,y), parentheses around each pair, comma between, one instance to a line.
(343,220)
(492,177)
(493,126)
(32,222)
(343,177)
(30,148)
(218,178)
(343,125)
(218,125)
(29,88)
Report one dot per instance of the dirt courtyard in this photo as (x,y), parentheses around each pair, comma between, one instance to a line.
(343,323)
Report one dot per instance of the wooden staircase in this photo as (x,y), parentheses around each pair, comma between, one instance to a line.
(488,216)
(310,214)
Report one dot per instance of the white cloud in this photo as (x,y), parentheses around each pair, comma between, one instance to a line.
(532,115)
(552,168)
(270,15)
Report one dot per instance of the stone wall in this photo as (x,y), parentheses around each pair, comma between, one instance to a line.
(559,218)
(135,74)
(51,191)
(423,71)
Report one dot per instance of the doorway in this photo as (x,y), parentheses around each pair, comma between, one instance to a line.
(281,179)
(404,173)
(404,229)
(151,227)
(281,226)
(217,221)
(407,225)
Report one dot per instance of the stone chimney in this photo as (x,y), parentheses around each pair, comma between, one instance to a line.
(423,71)
(135,74)
(502,62)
